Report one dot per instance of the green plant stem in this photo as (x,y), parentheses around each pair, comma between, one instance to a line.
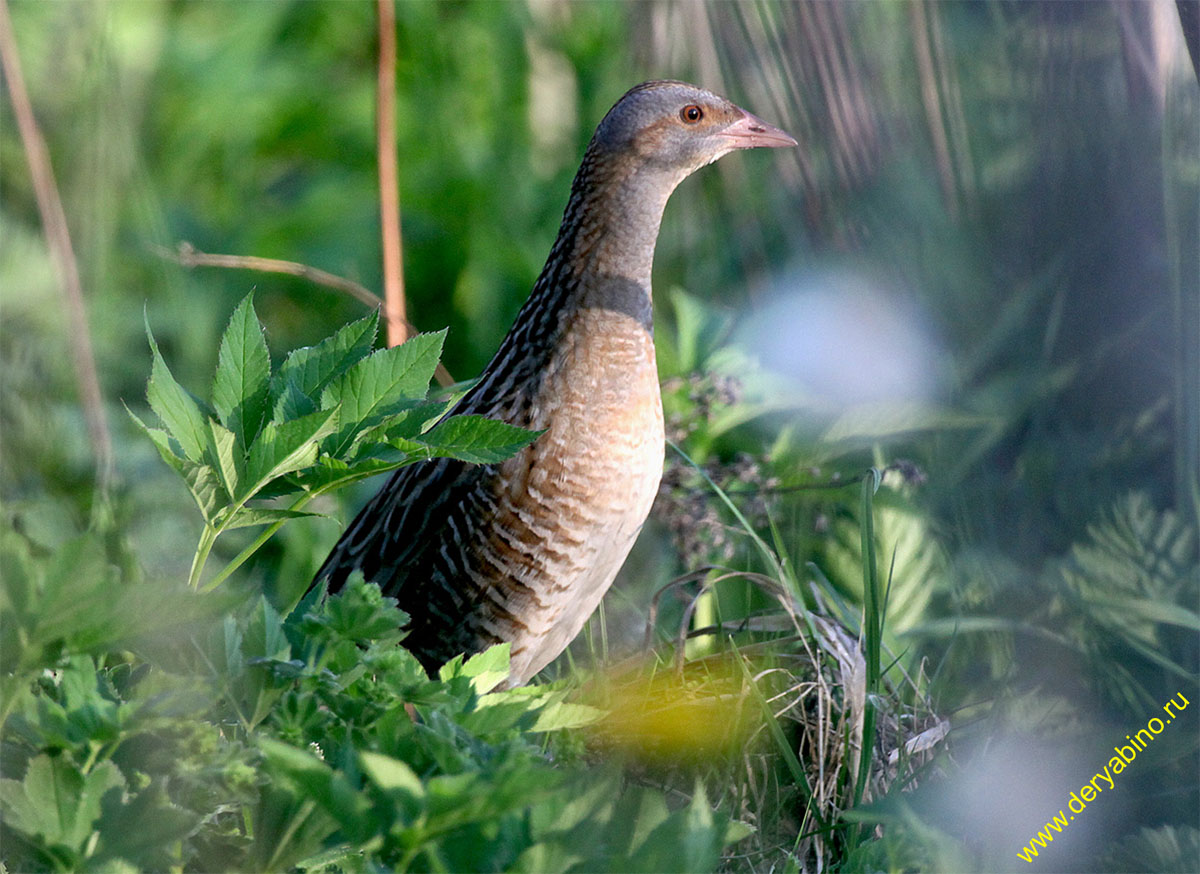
(256,544)
(871,595)
(306,809)
(203,549)
(207,538)
(872,633)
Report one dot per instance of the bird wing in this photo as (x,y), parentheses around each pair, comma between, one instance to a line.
(389,535)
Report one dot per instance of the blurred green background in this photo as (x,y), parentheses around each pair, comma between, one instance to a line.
(983,259)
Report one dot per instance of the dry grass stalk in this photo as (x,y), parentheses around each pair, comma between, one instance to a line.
(58,240)
(188,255)
(389,176)
(810,672)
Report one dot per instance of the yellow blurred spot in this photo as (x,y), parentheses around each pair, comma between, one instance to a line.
(708,711)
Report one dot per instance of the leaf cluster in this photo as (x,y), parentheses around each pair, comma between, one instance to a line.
(313,741)
(331,415)
(151,727)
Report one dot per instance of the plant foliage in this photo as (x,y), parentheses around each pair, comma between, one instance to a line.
(151,727)
(333,414)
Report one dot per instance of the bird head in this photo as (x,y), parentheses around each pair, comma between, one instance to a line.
(678,128)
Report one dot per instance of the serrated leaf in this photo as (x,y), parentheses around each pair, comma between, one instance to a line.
(290,403)
(264,637)
(286,448)
(147,828)
(243,374)
(397,779)
(736,830)
(476,439)
(470,441)
(175,408)
(76,600)
(639,814)
(303,376)
(685,840)
(381,385)
(559,715)
(55,801)
(247,517)
(205,486)
(161,441)
(331,790)
(329,473)
(486,670)
(222,448)
(407,424)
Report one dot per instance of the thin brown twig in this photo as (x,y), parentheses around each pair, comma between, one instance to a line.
(188,255)
(389,175)
(58,240)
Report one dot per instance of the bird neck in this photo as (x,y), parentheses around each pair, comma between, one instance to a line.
(600,263)
(604,253)
(622,209)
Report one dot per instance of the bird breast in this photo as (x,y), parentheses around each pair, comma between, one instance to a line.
(582,491)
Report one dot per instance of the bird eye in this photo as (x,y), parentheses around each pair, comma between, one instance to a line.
(691,113)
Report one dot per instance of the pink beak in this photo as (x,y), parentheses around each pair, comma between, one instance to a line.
(750,132)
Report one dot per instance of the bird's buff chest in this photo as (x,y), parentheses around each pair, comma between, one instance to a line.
(600,458)
(585,487)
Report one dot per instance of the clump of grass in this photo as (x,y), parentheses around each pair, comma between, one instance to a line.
(792,715)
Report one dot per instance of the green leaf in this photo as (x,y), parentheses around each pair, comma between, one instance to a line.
(686,840)
(360,612)
(635,818)
(736,830)
(390,774)
(243,375)
(486,670)
(56,802)
(264,637)
(330,473)
(381,385)
(476,439)
(397,779)
(146,830)
(77,600)
(300,765)
(1152,611)
(161,441)
(206,488)
(699,328)
(408,424)
(875,421)
(306,372)
(223,454)
(286,448)
(559,715)
(314,779)
(248,517)
(176,408)
(470,438)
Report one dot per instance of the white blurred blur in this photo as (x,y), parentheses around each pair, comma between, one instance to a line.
(846,339)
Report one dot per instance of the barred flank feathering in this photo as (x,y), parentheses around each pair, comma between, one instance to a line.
(522,551)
